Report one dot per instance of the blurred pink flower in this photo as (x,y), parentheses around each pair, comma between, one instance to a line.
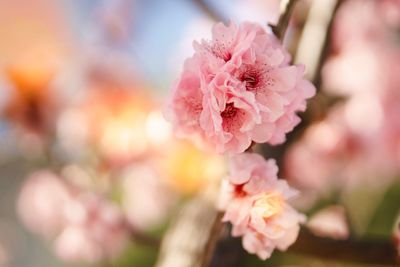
(338,74)
(358,20)
(238,88)
(83,225)
(96,231)
(358,142)
(330,222)
(146,200)
(257,206)
(363,41)
(41,201)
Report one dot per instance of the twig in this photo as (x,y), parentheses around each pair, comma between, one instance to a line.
(378,252)
(314,44)
(312,53)
(212,241)
(287,7)
(188,236)
(207,9)
(142,238)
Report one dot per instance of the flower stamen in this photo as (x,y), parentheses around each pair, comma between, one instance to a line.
(229,112)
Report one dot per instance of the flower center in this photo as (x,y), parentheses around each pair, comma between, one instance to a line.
(252,77)
(239,192)
(220,50)
(251,81)
(229,112)
(270,204)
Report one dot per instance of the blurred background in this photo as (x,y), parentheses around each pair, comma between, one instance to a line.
(91,173)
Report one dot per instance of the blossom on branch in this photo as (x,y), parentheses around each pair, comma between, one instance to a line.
(255,203)
(238,88)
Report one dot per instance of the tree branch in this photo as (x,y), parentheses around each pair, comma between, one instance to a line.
(287,7)
(314,44)
(355,251)
(207,9)
(142,238)
(312,51)
(188,237)
(213,240)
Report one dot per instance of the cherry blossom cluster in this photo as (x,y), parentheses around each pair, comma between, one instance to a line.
(237,89)
(255,201)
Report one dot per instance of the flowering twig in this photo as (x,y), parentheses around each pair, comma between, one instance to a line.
(213,240)
(286,9)
(279,30)
(192,238)
(378,252)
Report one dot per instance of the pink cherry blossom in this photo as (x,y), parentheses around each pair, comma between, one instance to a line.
(83,226)
(96,230)
(238,88)
(330,222)
(40,203)
(357,142)
(255,202)
(252,171)
(141,187)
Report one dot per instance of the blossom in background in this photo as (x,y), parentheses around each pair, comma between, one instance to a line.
(255,203)
(365,21)
(110,120)
(359,140)
(83,225)
(95,231)
(344,150)
(146,199)
(41,201)
(365,50)
(238,88)
(330,222)
(188,169)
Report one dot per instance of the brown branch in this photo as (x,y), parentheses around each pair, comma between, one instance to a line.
(141,238)
(187,238)
(312,53)
(287,7)
(378,252)
(314,44)
(207,9)
(213,240)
